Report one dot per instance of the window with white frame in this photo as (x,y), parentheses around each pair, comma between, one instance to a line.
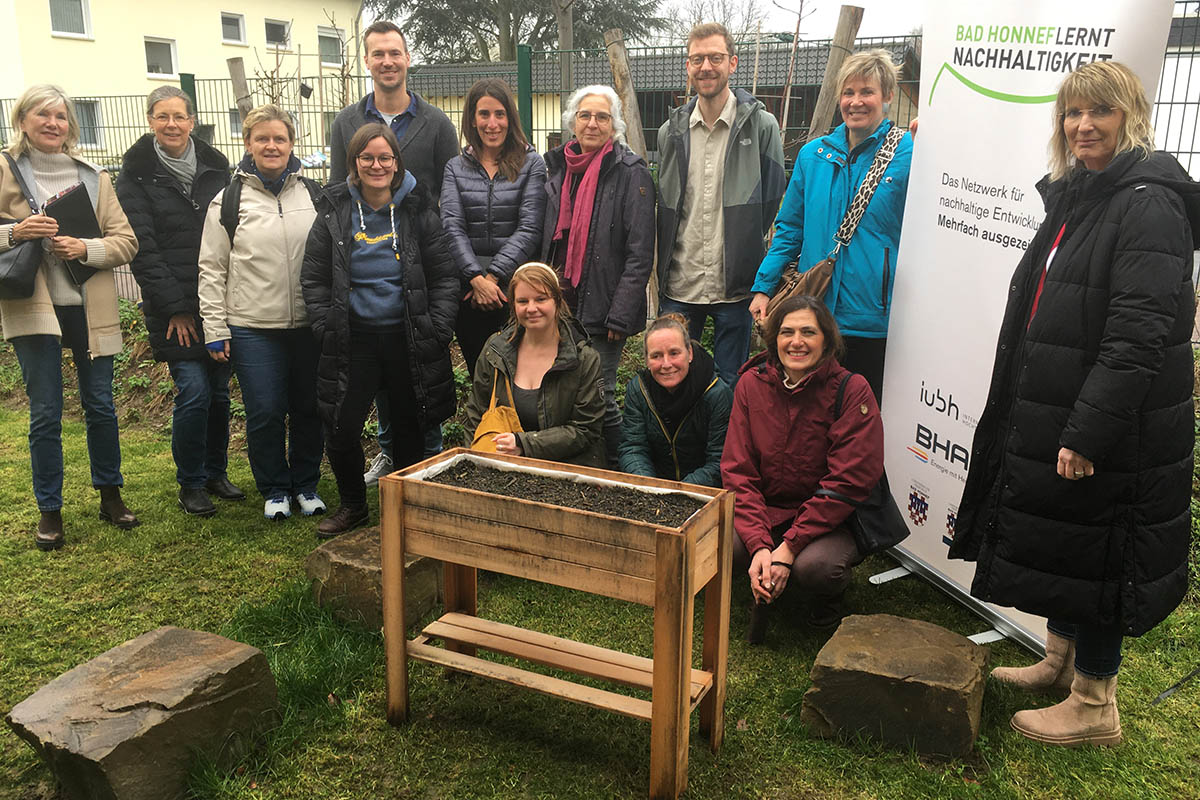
(70,18)
(233,28)
(329,42)
(160,57)
(235,123)
(279,33)
(87,112)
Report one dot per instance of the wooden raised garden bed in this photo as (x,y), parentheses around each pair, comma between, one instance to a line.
(660,567)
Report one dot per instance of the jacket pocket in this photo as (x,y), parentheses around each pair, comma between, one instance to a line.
(887,258)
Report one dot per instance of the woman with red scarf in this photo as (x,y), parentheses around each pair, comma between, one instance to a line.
(599,233)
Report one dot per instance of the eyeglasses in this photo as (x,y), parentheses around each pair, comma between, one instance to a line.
(1094,113)
(601,117)
(716,59)
(366,159)
(163,119)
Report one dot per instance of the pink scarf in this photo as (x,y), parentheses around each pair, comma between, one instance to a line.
(578,216)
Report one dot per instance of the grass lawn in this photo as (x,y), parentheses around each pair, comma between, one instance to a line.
(243,577)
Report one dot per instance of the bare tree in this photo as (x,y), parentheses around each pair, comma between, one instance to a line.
(741,17)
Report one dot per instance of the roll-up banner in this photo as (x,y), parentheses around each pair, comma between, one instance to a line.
(989,74)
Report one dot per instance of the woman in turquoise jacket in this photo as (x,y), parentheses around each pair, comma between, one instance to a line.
(676,409)
(826,177)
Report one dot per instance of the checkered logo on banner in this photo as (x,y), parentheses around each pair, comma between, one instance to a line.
(951,518)
(918,506)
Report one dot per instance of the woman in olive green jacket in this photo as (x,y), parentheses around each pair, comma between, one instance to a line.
(547,370)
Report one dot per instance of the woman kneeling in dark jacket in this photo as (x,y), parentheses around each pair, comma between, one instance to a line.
(793,462)
(676,409)
(544,366)
(381,291)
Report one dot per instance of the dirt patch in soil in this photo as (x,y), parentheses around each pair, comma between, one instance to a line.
(670,510)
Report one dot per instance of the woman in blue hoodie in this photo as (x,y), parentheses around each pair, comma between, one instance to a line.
(382,292)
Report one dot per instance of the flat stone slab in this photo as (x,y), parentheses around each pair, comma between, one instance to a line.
(127,724)
(904,682)
(347,578)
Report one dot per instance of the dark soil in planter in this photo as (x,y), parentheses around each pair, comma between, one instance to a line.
(669,510)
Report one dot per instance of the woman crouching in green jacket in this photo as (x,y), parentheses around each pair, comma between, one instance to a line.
(676,409)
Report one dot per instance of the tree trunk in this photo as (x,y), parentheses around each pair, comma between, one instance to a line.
(843,40)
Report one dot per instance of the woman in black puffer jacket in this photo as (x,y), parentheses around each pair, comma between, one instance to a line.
(1076,506)
(492,207)
(166,183)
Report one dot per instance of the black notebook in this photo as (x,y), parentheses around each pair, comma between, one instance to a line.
(72,207)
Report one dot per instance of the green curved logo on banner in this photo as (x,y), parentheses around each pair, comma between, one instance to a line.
(1028,99)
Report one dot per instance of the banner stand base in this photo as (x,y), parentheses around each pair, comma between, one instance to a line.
(987,637)
(890,575)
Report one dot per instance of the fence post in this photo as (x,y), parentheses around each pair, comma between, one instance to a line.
(525,88)
(187,82)
(849,19)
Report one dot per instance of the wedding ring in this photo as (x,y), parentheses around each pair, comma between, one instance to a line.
(1079,474)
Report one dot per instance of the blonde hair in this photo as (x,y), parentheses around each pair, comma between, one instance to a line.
(673,321)
(539,276)
(268,113)
(1107,83)
(34,99)
(868,64)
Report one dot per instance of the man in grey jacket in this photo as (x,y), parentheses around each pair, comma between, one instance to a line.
(427,141)
(720,182)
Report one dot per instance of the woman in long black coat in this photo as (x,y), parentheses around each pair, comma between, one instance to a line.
(1076,506)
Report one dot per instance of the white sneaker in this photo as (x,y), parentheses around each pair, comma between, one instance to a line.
(382,465)
(277,508)
(310,504)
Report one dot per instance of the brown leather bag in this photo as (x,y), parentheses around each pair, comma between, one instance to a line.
(497,419)
(813,282)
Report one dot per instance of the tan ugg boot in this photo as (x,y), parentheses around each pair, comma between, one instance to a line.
(1052,674)
(1088,716)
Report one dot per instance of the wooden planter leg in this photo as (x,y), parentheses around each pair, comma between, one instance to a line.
(459,584)
(716,630)
(395,629)
(669,717)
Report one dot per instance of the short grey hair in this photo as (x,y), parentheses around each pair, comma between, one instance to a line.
(614,103)
(34,99)
(166,93)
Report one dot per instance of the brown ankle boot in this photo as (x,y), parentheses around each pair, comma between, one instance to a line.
(49,534)
(1053,673)
(113,509)
(1088,716)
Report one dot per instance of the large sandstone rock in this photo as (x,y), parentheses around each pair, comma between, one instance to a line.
(904,682)
(126,725)
(347,578)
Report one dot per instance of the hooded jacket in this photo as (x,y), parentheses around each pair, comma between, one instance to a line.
(785,444)
(693,453)
(1104,368)
(168,223)
(620,251)
(255,283)
(570,403)
(493,217)
(825,179)
(430,300)
(754,183)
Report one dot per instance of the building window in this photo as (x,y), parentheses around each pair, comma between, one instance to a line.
(160,57)
(235,123)
(87,112)
(329,42)
(233,28)
(70,17)
(279,34)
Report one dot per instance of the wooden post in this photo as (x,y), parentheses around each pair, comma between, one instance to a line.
(564,18)
(459,586)
(716,630)
(241,89)
(843,39)
(670,705)
(618,60)
(395,629)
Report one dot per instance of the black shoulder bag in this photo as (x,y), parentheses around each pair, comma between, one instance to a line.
(19,264)
(876,523)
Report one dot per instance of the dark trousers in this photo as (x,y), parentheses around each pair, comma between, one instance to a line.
(822,569)
(866,356)
(473,328)
(379,362)
(1097,649)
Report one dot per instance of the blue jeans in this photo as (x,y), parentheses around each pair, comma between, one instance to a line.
(40,356)
(732,326)
(1097,649)
(200,422)
(277,370)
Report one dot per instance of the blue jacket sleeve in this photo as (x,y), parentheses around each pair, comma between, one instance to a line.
(789,235)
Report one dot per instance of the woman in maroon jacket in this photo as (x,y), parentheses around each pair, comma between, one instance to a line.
(785,448)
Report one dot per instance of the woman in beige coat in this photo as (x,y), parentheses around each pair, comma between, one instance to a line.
(61,312)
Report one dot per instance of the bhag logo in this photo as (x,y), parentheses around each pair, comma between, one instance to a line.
(928,440)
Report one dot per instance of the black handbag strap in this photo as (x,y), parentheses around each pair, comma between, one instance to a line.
(837,412)
(12,165)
